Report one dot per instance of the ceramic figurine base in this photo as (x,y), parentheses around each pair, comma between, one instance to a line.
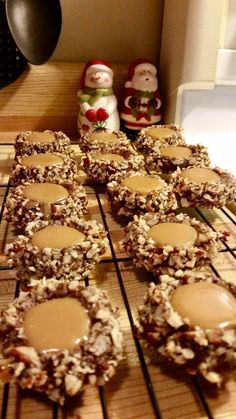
(132,134)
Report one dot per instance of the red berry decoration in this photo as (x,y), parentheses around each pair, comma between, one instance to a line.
(102,114)
(91,115)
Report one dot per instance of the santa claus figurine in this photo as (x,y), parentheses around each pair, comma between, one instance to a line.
(142,102)
(97,102)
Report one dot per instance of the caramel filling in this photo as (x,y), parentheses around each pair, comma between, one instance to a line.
(47,193)
(57,237)
(173,234)
(41,137)
(206,305)
(57,324)
(109,157)
(201,175)
(181,152)
(143,184)
(160,132)
(104,137)
(41,160)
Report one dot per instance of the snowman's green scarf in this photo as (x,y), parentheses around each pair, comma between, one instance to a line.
(92,95)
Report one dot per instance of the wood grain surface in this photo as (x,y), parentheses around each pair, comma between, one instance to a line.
(144,386)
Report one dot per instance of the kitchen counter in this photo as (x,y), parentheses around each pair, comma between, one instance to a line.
(144,385)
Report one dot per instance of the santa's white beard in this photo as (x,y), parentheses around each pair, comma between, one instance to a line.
(144,84)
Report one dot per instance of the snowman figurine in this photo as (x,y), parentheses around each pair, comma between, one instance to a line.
(97,102)
(141,101)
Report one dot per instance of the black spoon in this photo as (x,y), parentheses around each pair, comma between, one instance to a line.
(12,62)
(35,26)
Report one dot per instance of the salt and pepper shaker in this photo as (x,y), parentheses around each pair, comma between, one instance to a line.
(97,102)
(141,103)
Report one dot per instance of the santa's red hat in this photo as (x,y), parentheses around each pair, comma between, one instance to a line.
(94,65)
(137,65)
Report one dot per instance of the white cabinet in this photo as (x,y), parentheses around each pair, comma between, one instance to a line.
(198,73)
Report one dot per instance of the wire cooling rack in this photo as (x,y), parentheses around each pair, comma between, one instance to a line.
(144,385)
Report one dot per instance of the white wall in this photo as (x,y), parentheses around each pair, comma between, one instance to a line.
(114,30)
(230,33)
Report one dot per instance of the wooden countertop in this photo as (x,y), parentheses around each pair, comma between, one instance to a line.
(144,386)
